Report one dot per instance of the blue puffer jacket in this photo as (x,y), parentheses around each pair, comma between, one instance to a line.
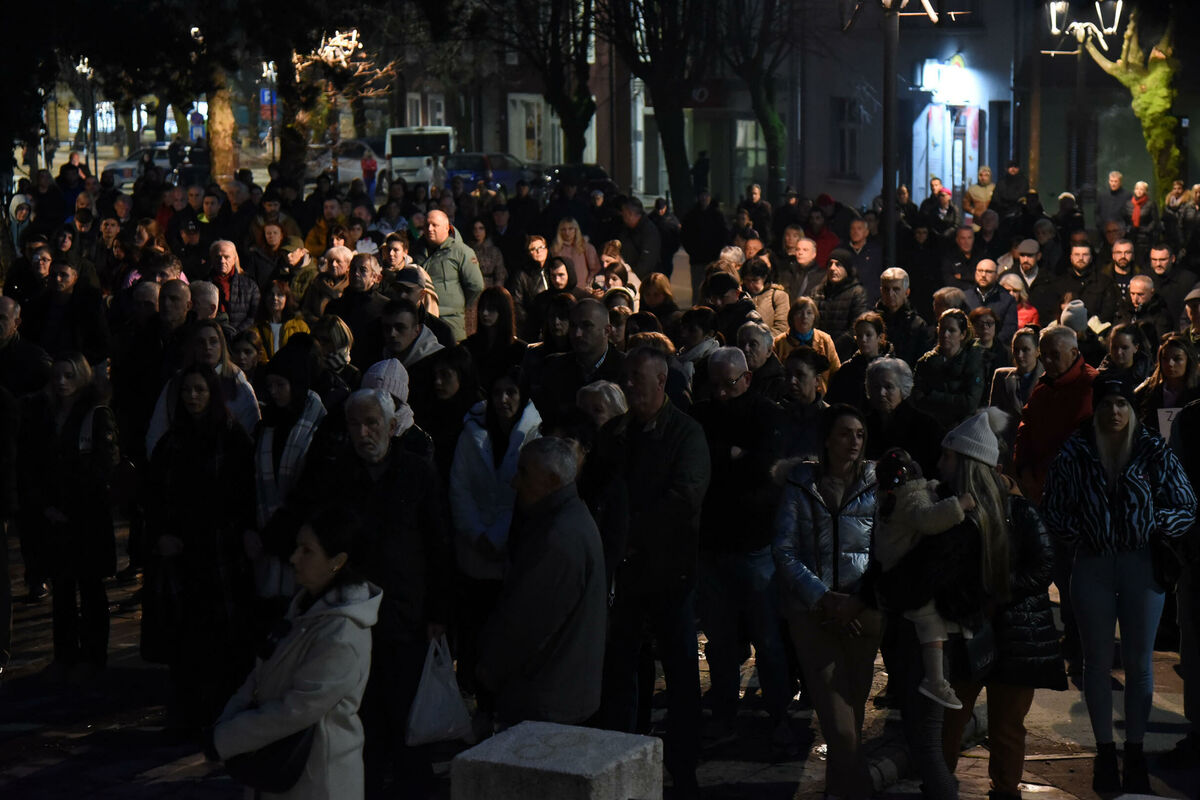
(1152,494)
(818,549)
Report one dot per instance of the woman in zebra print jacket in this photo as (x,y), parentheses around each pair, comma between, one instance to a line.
(1112,489)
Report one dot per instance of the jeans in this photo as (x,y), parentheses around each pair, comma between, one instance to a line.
(669,616)
(923,718)
(838,669)
(1007,706)
(1112,588)
(737,587)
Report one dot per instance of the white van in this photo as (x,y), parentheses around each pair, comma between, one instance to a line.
(405,149)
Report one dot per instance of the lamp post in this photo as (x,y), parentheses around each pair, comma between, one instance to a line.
(1062,25)
(891,45)
(270,75)
(84,69)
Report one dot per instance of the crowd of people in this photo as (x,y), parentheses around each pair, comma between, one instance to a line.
(341,427)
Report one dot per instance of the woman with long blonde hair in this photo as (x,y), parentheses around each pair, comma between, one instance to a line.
(578,252)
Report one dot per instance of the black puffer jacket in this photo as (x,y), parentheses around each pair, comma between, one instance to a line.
(839,305)
(1027,645)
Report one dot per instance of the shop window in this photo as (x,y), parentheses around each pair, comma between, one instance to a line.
(847,117)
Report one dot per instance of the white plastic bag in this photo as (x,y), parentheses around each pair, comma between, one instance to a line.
(438,713)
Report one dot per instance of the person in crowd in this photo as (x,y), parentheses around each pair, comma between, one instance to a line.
(335,341)
(770,300)
(195,574)
(69,317)
(1084,282)
(840,300)
(1012,386)
(948,380)
(527,283)
(849,384)
(330,280)
(664,457)
(360,306)
(993,350)
(543,646)
(658,299)
(239,293)
(206,346)
(908,333)
(592,358)
(247,354)
(1026,314)
(1114,492)
(494,347)
(796,268)
(803,404)
(697,341)
(278,317)
(401,547)
(455,390)
(822,546)
(723,293)
(569,244)
(892,418)
(803,332)
(702,233)
(744,435)
(291,416)
(482,500)
(767,378)
(1121,267)
(491,259)
(1172,282)
(24,366)
(553,338)
(454,269)
(958,264)
(313,669)
(1141,218)
(1174,383)
(641,242)
(67,453)
(988,292)
(1146,310)
(1129,353)
(1028,654)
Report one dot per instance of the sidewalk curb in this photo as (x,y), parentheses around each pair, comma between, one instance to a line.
(889,761)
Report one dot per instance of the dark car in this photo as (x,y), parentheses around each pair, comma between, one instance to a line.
(588,177)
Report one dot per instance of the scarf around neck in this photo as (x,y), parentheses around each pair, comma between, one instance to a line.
(1138,202)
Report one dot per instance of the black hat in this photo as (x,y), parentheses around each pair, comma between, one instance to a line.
(1108,383)
(842,256)
(191,226)
(719,283)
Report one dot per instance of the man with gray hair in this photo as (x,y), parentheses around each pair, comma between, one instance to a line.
(401,546)
(767,376)
(745,439)
(1109,203)
(542,650)
(1146,309)
(906,330)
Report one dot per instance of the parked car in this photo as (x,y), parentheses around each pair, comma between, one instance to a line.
(347,162)
(499,170)
(126,171)
(588,177)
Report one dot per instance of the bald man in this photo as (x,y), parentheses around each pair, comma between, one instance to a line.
(988,292)
(454,269)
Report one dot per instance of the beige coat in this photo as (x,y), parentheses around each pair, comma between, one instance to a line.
(917,513)
(317,674)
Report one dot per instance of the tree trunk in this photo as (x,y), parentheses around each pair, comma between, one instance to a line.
(221,128)
(160,120)
(292,131)
(762,100)
(179,110)
(672,132)
(358,113)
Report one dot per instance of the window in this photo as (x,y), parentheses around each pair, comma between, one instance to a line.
(750,153)
(414,109)
(847,119)
(437,109)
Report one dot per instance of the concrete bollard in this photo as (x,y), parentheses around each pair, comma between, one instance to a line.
(564,762)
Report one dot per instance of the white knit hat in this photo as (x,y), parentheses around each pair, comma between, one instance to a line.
(975,437)
(389,375)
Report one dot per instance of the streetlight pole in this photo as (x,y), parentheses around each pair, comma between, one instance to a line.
(85,69)
(891,42)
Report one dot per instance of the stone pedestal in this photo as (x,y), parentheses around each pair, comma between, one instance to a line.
(543,760)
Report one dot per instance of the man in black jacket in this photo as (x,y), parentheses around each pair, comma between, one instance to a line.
(665,459)
(542,650)
(1171,282)
(744,442)
(360,307)
(907,332)
(24,367)
(69,317)
(592,358)
(1084,282)
(641,246)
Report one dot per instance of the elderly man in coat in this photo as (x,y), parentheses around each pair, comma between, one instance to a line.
(543,649)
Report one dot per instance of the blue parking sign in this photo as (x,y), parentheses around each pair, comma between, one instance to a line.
(266,97)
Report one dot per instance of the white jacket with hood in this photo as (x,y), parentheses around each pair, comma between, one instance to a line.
(481,494)
(316,675)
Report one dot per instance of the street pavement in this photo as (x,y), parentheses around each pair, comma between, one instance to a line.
(104,737)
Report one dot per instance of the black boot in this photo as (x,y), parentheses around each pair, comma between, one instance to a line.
(1137,777)
(1106,777)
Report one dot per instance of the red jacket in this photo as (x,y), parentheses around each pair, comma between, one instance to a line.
(1055,409)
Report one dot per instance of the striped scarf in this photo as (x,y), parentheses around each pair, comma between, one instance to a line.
(273,483)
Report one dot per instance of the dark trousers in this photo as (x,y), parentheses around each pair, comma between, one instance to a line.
(5,599)
(1064,557)
(33,554)
(668,615)
(923,718)
(395,673)
(476,599)
(80,626)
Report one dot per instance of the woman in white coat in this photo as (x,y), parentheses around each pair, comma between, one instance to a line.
(481,508)
(313,669)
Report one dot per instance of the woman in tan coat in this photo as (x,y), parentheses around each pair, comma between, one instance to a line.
(313,669)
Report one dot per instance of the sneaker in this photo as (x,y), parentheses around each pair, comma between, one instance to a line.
(940,693)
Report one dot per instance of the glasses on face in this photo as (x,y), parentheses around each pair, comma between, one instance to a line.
(732,382)
(537,248)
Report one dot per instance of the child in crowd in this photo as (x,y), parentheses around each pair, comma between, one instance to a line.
(909,511)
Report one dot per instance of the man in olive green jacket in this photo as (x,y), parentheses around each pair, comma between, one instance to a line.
(454,269)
